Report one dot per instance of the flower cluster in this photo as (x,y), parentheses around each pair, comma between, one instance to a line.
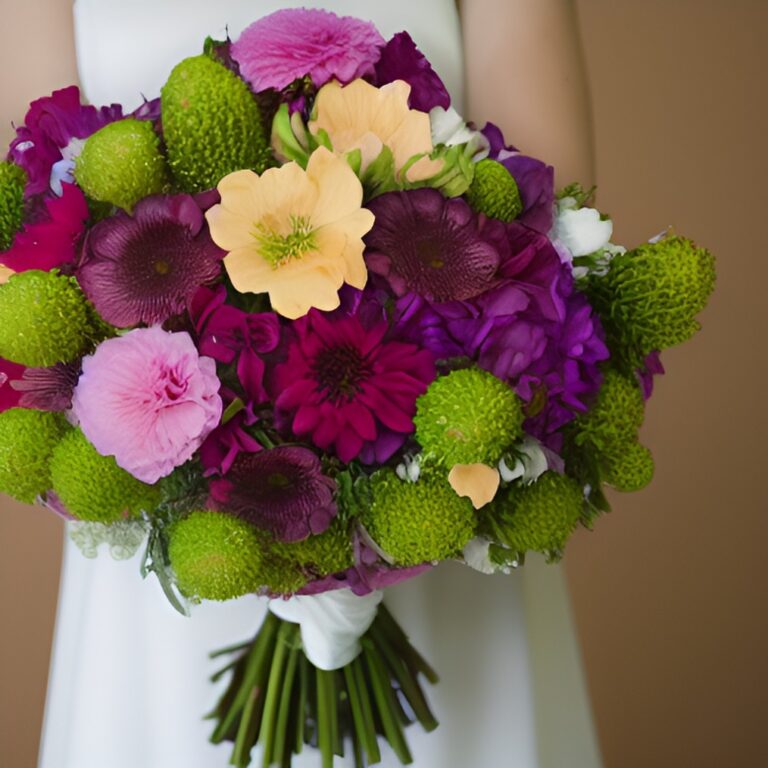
(313,328)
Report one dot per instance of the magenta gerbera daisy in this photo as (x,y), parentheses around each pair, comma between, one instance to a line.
(146,266)
(282,490)
(348,389)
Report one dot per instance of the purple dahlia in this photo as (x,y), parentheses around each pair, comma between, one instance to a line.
(294,42)
(282,490)
(145,267)
(348,389)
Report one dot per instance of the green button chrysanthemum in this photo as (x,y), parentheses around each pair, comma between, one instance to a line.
(122,163)
(12,182)
(629,468)
(215,556)
(92,487)
(27,440)
(494,191)
(468,417)
(418,522)
(45,319)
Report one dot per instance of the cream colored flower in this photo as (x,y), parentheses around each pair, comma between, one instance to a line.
(477,481)
(5,274)
(294,234)
(361,116)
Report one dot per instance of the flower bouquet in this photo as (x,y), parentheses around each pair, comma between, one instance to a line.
(300,330)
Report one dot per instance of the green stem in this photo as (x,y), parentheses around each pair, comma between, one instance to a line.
(366,710)
(301,704)
(325,703)
(281,746)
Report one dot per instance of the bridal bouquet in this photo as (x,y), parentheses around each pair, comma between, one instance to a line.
(300,330)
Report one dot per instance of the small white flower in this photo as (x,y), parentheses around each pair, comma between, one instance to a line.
(581,230)
(63,171)
(476,557)
(410,469)
(531,461)
(450,129)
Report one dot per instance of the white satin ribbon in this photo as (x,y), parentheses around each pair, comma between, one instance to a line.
(332,623)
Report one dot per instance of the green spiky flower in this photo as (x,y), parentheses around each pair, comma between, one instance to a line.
(650,297)
(12,182)
(494,191)
(211,125)
(27,439)
(122,163)
(467,417)
(418,522)
(629,468)
(45,319)
(292,564)
(215,556)
(538,517)
(92,487)
(617,414)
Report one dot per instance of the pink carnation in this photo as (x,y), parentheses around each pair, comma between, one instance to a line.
(289,44)
(148,399)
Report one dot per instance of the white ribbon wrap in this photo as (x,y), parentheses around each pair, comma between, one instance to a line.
(332,623)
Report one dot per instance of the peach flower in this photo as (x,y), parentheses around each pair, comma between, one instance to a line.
(294,234)
(5,274)
(361,116)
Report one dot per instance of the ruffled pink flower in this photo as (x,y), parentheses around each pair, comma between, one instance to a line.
(148,399)
(348,389)
(289,44)
(53,239)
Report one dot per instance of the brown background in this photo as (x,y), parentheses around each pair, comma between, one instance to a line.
(669,594)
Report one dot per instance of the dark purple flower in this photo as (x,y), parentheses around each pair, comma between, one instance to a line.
(52,237)
(402,60)
(223,445)
(145,267)
(348,389)
(49,126)
(228,334)
(48,389)
(282,490)
(535,180)
(9,373)
(652,366)
(431,245)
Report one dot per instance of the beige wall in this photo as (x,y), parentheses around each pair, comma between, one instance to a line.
(669,593)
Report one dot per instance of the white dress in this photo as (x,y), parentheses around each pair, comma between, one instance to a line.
(128,684)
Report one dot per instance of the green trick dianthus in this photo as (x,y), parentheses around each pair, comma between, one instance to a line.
(650,296)
(122,163)
(291,565)
(629,468)
(215,556)
(45,319)
(418,522)
(92,487)
(616,415)
(468,417)
(538,517)
(12,182)
(27,439)
(494,191)
(211,125)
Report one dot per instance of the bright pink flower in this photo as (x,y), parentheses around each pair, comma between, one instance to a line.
(289,44)
(52,240)
(148,399)
(348,389)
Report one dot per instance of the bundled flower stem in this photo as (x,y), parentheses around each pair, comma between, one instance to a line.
(277,698)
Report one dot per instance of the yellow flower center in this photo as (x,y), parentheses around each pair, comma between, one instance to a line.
(278,248)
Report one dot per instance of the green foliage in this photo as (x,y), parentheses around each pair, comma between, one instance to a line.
(122,163)
(418,522)
(12,182)
(650,297)
(45,319)
(494,191)
(212,125)
(467,417)
(215,556)
(93,487)
(27,439)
